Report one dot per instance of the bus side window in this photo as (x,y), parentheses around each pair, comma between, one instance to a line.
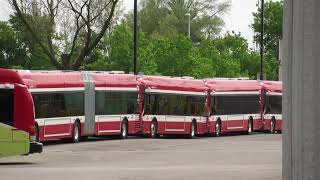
(212,106)
(146,102)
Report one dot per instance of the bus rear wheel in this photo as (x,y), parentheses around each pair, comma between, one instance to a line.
(250,126)
(37,137)
(272,126)
(218,129)
(193,130)
(76,134)
(124,130)
(154,129)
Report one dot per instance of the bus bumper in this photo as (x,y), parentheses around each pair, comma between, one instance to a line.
(35,147)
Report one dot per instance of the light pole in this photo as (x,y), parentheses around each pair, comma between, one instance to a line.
(262,40)
(189,24)
(135,29)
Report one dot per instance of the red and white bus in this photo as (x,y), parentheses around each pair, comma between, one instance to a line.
(271,98)
(173,106)
(79,104)
(234,106)
(117,104)
(16,107)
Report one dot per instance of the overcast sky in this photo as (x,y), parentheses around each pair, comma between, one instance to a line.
(238,19)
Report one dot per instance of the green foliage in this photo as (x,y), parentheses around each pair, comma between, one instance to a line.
(164,48)
(273,33)
(273,18)
(8,45)
(121,49)
(168,18)
(31,55)
(227,56)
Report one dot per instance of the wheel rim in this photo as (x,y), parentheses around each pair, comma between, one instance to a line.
(272,126)
(153,129)
(192,130)
(250,127)
(124,130)
(76,132)
(217,129)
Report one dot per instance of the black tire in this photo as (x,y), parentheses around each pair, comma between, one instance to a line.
(154,129)
(124,130)
(273,126)
(218,129)
(76,133)
(250,126)
(193,130)
(37,137)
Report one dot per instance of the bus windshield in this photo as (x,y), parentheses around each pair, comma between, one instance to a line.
(6,106)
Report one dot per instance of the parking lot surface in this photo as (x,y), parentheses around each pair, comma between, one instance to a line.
(245,157)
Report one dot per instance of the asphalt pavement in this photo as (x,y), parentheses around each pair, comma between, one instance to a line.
(243,157)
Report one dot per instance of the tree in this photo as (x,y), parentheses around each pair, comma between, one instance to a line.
(66,31)
(35,58)
(121,49)
(273,24)
(273,33)
(9,49)
(168,17)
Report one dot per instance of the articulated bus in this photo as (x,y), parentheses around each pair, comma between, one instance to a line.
(16,117)
(71,105)
(74,105)
(234,106)
(271,96)
(173,106)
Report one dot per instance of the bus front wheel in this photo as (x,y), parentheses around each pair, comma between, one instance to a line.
(250,126)
(154,129)
(218,129)
(76,135)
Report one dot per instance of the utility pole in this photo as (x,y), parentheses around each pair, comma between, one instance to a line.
(262,40)
(135,29)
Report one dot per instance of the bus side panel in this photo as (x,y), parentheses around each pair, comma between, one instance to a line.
(267,123)
(175,124)
(278,125)
(23,110)
(146,125)
(133,119)
(257,124)
(224,123)
(235,122)
(108,124)
(212,125)
(161,124)
(57,127)
(202,126)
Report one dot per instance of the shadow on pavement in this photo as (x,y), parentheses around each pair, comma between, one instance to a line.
(16,163)
(89,139)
